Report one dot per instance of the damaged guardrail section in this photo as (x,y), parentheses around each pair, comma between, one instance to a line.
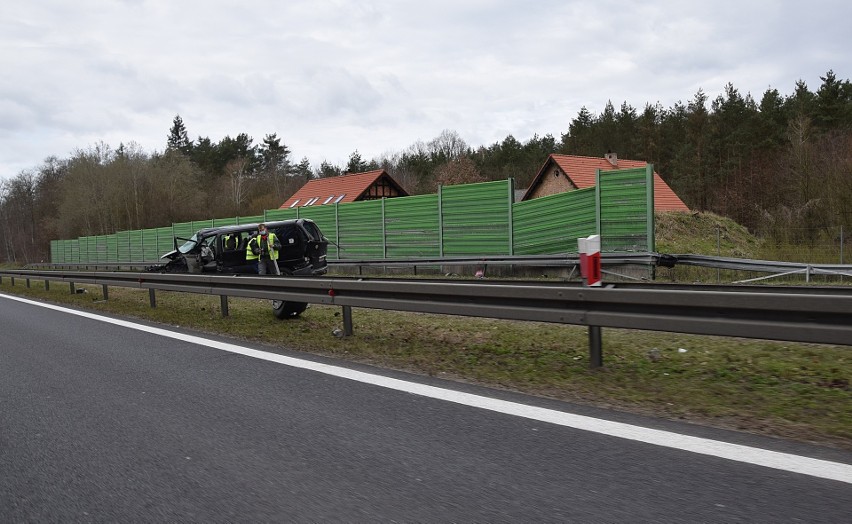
(796,314)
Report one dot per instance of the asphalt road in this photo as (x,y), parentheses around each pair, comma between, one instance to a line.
(103,423)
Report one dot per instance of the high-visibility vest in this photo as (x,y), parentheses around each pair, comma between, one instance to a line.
(271,239)
(229,242)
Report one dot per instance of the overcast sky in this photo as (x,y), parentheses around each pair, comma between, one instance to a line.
(330,77)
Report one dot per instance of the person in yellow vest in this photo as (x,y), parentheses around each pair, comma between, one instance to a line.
(264,249)
(231,242)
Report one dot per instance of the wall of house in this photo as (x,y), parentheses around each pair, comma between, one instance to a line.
(553,182)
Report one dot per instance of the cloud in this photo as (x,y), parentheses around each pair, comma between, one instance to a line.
(330,77)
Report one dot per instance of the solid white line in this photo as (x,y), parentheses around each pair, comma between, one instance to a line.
(750,455)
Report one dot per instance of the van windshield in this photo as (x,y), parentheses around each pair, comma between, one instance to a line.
(189,244)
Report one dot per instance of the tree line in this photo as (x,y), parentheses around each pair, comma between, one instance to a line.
(778,165)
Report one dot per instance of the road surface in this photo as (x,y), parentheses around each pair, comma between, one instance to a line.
(104,421)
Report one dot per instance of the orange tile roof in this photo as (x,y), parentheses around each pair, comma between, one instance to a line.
(329,190)
(581,171)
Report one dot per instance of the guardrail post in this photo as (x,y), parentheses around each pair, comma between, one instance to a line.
(223,299)
(348,331)
(13,281)
(152,297)
(28,283)
(106,291)
(71,286)
(595,347)
(47,285)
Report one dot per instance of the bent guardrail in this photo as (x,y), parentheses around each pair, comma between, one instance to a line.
(796,314)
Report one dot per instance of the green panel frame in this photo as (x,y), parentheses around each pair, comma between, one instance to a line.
(475,218)
(220,222)
(165,240)
(111,248)
(551,224)
(150,250)
(360,230)
(82,250)
(626,218)
(75,251)
(122,240)
(271,215)
(412,227)
(254,219)
(136,252)
(91,248)
(201,224)
(100,249)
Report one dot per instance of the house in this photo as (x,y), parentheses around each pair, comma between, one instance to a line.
(352,187)
(562,173)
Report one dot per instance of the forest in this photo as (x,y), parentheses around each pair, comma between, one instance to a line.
(780,165)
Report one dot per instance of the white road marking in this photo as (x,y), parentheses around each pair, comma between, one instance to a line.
(747,454)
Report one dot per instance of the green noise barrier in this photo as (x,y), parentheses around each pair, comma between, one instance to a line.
(461,220)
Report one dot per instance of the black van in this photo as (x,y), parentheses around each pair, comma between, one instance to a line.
(223,250)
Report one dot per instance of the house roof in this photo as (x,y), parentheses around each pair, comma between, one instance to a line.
(339,189)
(581,170)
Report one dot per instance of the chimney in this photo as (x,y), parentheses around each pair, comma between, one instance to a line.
(612,158)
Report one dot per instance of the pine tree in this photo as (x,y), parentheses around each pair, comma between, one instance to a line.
(178,139)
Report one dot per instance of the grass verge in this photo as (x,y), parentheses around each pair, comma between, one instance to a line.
(798,391)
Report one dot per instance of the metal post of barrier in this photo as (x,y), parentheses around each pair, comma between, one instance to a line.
(47,285)
(595,347)
(13,281)
(152,297)
(348,331)
(28,283)
(223,300)
(106,291)
(71,286)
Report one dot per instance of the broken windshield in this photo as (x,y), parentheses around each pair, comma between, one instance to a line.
(189,244)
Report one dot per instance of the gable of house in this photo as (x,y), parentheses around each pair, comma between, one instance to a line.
(562,173)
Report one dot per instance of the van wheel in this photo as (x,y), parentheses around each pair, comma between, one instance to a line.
(283,309)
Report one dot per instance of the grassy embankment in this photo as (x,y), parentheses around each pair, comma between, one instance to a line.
(710,234)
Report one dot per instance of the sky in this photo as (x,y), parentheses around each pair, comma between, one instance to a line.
(333,77)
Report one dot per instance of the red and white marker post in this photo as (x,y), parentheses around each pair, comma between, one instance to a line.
(590,269)
(590,259)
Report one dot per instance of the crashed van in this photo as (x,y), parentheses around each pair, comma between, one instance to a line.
(223,250)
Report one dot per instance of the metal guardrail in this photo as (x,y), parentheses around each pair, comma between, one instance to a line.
(775,268)
(796,314)
(532,260)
